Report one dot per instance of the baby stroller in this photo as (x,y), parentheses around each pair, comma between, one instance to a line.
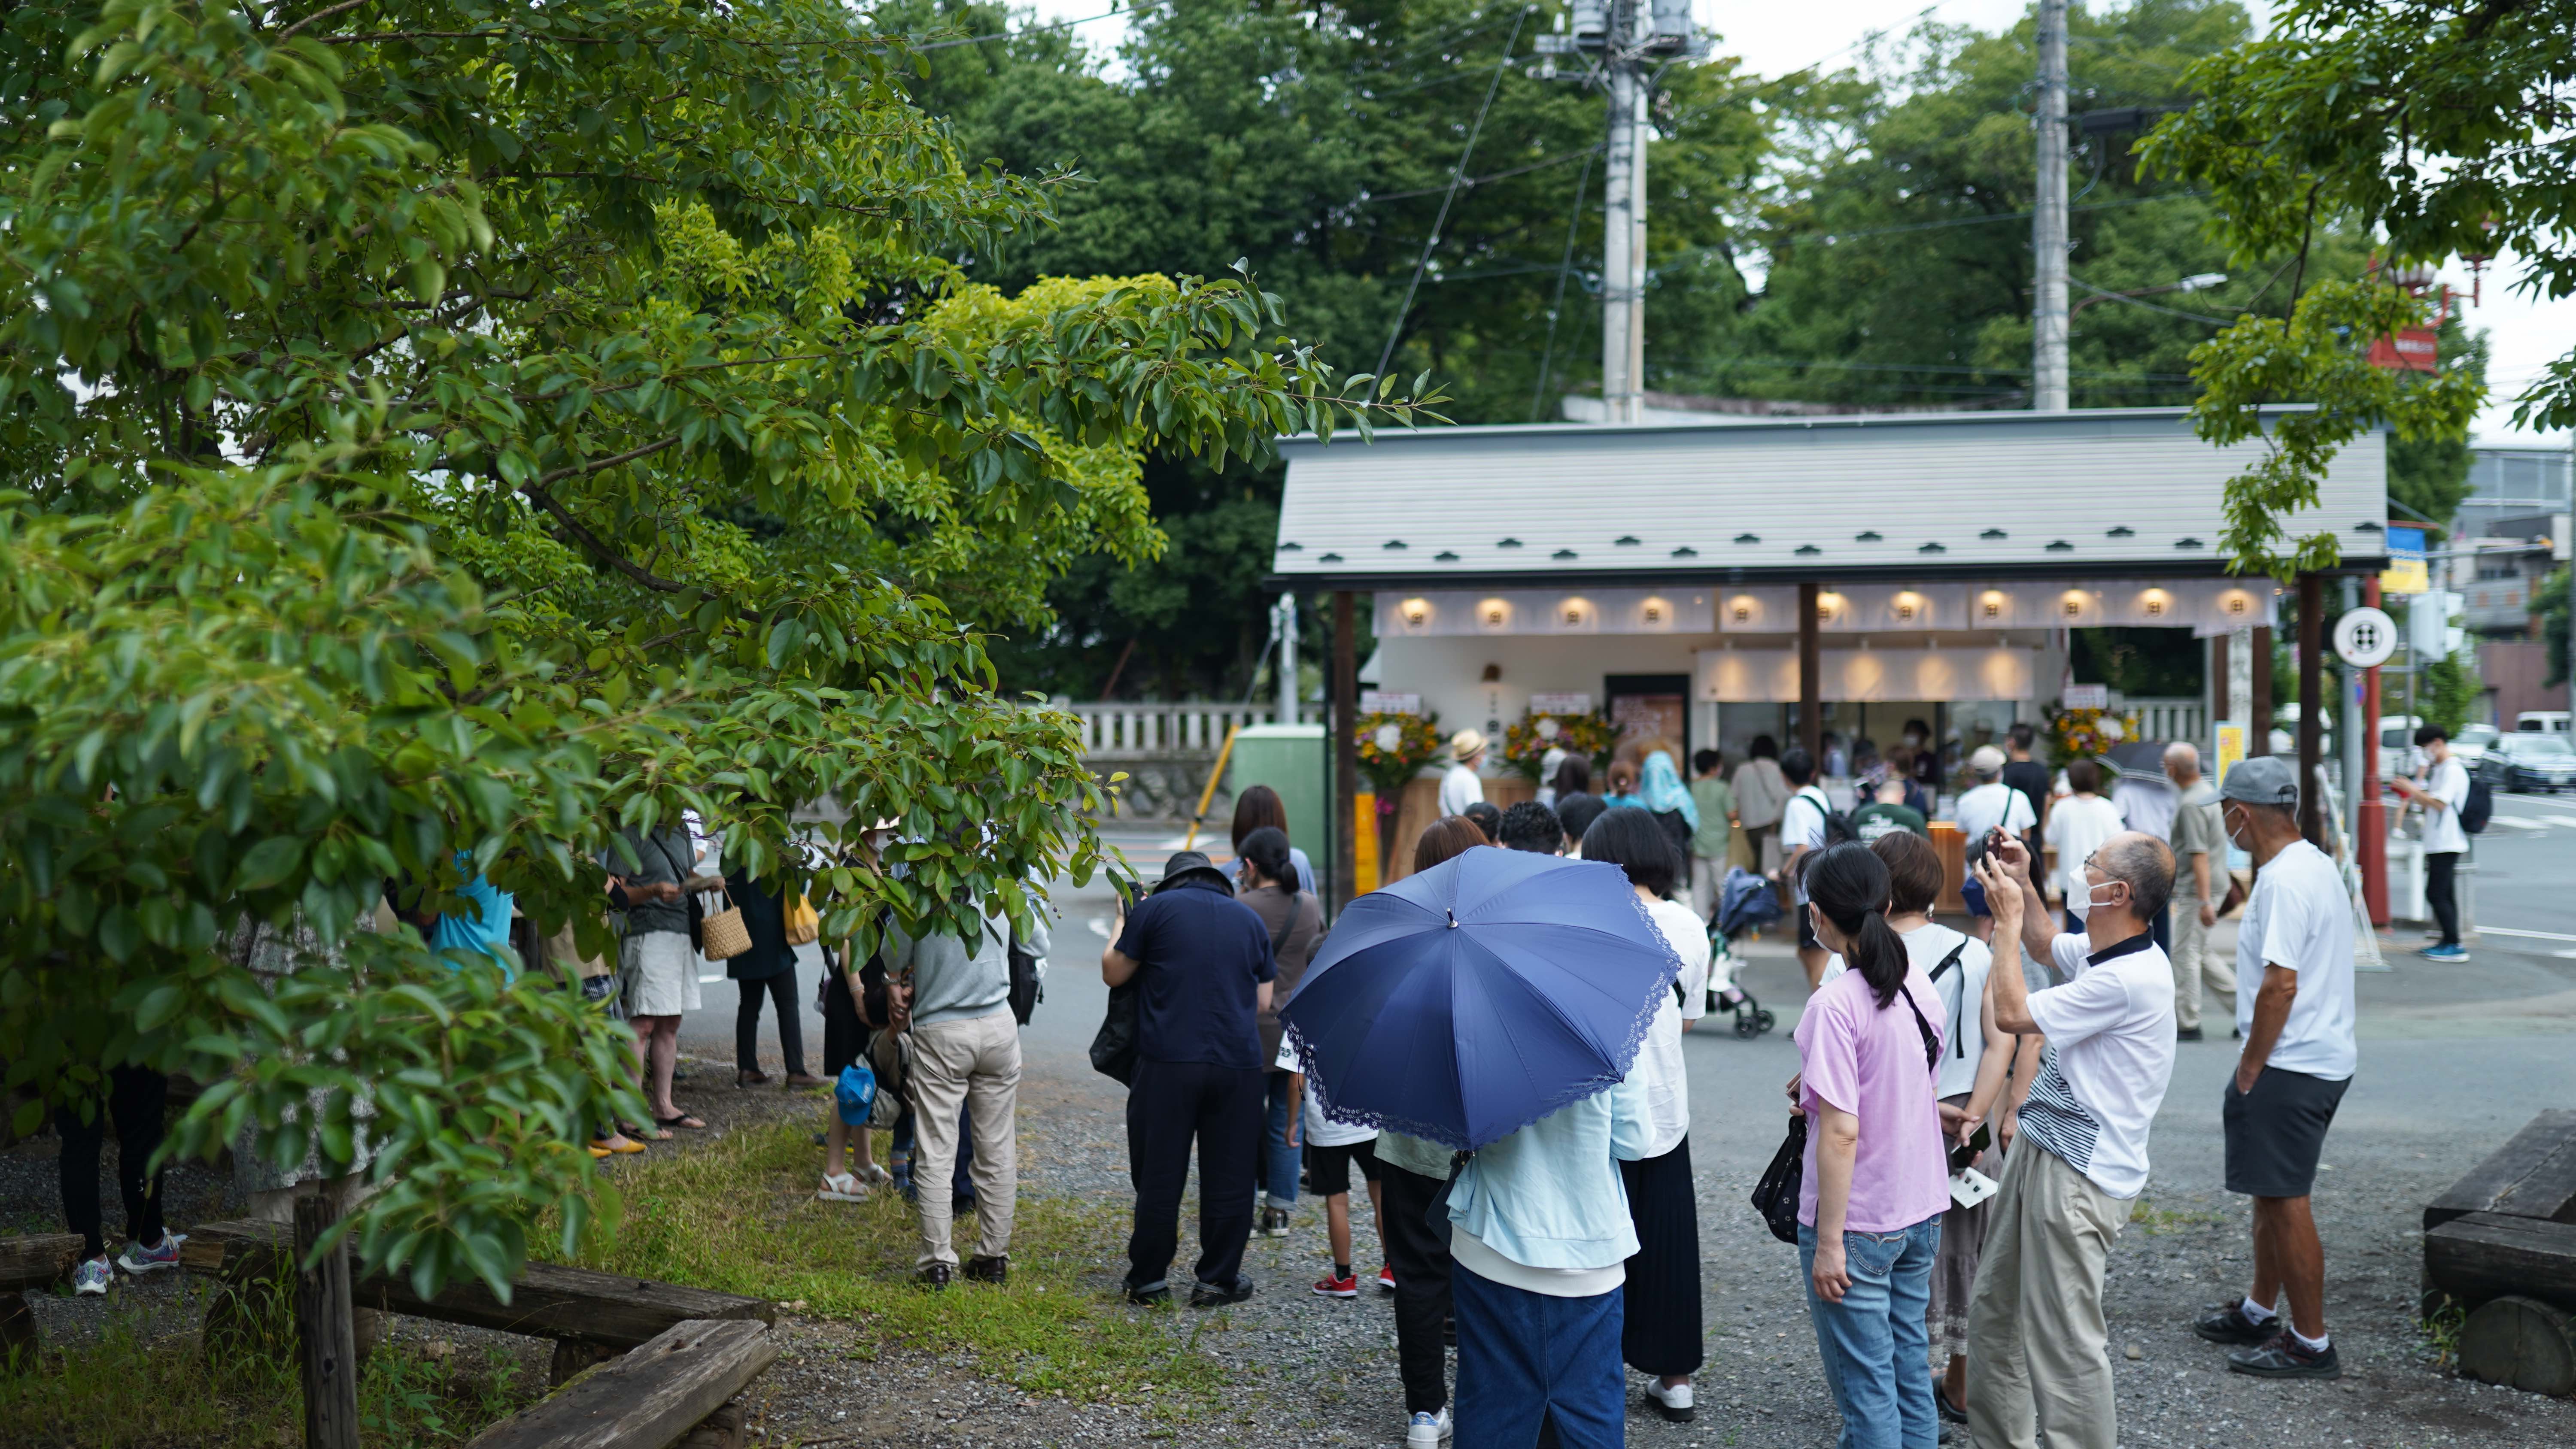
(1744,901)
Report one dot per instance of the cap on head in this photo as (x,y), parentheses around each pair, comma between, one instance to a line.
(1986,762)
(2262,780)
(1466,745)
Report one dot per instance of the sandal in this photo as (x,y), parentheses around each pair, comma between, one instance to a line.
(643,1134)
(684,1120)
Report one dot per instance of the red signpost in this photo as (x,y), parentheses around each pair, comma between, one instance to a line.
(2372,843)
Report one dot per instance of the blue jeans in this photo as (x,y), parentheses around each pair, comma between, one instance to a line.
(1279,1161)
(1876,1354)
(1525,1358)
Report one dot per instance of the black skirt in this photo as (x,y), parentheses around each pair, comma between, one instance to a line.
(1660,1334)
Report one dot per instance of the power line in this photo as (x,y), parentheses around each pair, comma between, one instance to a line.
(2150,306)
(1456,175)
(1584,155)
(1564,267)
(1866,36)
(1833,237)
(1111,12)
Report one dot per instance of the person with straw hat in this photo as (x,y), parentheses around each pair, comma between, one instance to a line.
(1460,787)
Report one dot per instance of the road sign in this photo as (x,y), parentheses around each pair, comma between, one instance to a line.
(2406,572)
(2365,638)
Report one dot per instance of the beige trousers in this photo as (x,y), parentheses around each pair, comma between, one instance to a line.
(2195,965)
(974,1064)
(2038,1351)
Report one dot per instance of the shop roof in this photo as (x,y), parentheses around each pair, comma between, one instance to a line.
(1977,495)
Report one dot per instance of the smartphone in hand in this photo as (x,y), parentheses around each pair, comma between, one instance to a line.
(1962,1157)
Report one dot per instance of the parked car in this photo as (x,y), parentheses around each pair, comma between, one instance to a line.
(2473,742)
(2397,745)
(2529,761)
(2544,721)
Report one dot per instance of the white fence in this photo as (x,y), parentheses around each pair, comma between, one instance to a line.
(2166,719)
(1117,731)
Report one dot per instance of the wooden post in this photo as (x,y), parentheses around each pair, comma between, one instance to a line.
(1346,749)
(1811,684)
(2312,701)
(2219,698)
(325,1330)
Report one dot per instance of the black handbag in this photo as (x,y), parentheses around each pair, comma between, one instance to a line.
(1776,1195)
(1113,1047)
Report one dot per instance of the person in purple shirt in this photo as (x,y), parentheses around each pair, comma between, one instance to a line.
(1877,1176)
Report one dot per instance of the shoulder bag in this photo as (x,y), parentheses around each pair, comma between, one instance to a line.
(1776,1195)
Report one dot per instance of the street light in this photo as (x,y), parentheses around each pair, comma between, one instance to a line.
(2197,282)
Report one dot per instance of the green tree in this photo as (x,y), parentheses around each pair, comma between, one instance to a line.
(439,433)
(1896,232)
(2440,125)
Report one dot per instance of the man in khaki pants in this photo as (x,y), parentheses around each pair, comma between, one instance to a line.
(2200,883)
(2038,1350)
(952,999)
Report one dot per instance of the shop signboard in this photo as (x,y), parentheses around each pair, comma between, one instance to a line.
(1373,701)
(2406,572)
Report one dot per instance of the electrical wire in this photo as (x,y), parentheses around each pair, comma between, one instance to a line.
(1585,155)
(1564,267)
(1457,174)
(1110,13)
(2150,306)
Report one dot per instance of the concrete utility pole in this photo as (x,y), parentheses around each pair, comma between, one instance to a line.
(1284,615)
(1628,40)
(2048,219)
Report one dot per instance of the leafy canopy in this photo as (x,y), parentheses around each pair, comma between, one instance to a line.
(438,434)
(2441,125)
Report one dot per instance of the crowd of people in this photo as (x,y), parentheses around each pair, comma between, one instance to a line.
(1975,1104)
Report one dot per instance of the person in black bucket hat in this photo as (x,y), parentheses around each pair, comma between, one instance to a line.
(1203,970)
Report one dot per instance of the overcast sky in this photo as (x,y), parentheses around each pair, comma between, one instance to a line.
(1777,38)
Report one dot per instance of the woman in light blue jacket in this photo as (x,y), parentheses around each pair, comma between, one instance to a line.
(1540,1236)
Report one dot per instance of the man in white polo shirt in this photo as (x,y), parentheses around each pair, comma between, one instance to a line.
(2039,1357)
(2294,1004)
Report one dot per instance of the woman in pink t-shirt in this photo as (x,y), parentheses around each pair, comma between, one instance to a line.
(1877,1176)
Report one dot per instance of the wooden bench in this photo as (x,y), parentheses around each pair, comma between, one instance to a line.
(2501,1246)
(590,1316)
(676,1389)
(36,1260)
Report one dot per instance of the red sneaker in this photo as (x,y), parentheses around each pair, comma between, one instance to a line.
(1331,1287)
(1386,1278)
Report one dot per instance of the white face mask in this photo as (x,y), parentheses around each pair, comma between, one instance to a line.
(2093,895)
(2242,841)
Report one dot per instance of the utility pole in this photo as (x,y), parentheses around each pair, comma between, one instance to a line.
(2048,219)
(1284,624)
(1628,41)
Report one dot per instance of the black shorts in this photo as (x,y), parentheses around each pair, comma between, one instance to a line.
(1328,1169)
(2276,1132)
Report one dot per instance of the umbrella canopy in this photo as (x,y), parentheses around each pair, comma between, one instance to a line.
(2140,760)
(1468,1001)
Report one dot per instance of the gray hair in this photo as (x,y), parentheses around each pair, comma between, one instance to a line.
(2183,754)
(2146,864)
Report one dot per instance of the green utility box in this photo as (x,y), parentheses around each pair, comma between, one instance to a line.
(1291,760)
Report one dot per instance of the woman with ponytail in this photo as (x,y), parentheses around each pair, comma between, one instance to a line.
(1877,1180)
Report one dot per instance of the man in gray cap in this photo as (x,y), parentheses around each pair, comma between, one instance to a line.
(1202,964)
(2294,1004)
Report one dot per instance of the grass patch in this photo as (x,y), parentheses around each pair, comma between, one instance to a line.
(739,1216)
(2440,1332)
(130,1388)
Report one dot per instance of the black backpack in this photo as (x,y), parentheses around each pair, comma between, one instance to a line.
(2479,808)
(1838,826)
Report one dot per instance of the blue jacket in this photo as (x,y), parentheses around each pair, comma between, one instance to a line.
(1550,1195)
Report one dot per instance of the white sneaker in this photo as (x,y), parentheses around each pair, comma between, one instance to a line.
(1427,1429)
(93,1276)
(841,1187)
(1673,1403)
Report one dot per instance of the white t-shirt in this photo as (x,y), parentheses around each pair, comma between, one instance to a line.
(2147,805)
(1962,990)
(1802,822)
(1321,1131)
(1459,789)
(1993,806)
(2110,1055)
(2301,918)
(2448,783)
(2077,827)
(1659,1060)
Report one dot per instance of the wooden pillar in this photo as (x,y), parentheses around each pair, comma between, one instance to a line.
(2217,691)
(1811,684)
(2259,729)
(325,1329)
(2312,714)
(1346,749)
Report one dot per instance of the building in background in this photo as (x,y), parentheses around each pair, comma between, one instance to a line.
(2513,529)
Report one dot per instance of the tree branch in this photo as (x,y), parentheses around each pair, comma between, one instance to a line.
(344,7)
(581,533)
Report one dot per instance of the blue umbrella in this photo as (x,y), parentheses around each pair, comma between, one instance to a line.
(1464,1003)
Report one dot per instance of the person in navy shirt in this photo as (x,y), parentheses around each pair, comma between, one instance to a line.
(1201,961)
